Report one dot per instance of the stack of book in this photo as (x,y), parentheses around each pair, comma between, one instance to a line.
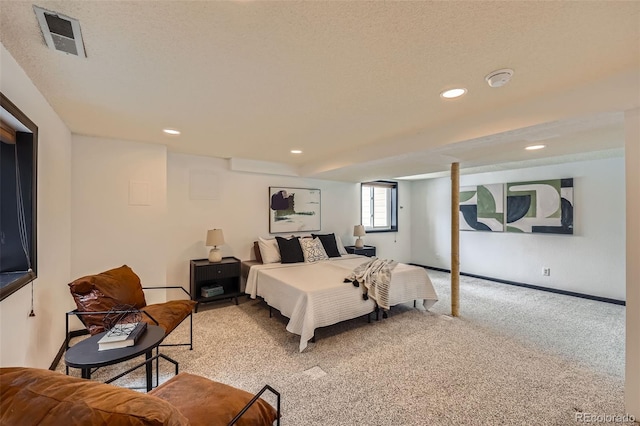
(210,291)
(122,335)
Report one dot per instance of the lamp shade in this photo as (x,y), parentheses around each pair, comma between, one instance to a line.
(215,237)
(358,231)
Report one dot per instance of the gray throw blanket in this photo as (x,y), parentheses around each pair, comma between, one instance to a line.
(375,277)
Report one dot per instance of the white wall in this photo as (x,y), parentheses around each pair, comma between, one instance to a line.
(632,366)
(107,229)
(592,261)
(34,341)
(241,211)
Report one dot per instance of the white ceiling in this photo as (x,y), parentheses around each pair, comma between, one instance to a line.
(355,85)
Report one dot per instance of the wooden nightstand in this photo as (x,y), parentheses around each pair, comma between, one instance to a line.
(369,251)
(225,274)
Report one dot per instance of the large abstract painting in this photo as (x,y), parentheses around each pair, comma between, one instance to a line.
(482,208)
(543,206)
(293,210)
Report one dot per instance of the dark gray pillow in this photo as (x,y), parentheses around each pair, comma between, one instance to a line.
(329,243)
(290,250)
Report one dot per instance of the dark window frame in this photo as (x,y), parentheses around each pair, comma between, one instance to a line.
(394,205)
(27,277)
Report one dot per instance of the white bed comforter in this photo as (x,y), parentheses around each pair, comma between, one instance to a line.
(314,295)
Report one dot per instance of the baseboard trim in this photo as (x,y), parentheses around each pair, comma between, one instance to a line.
(60,353)
(531,286)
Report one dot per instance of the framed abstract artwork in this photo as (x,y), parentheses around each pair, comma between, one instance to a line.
(293,210)
(533,207)
(540,207)
(482,208)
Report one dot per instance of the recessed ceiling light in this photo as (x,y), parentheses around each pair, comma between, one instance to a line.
(453,93)
(534,147)
(171,131)
(296,151)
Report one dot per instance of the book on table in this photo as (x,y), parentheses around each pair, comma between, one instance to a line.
(122,335)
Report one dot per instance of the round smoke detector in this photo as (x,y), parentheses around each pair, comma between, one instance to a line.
(499,78)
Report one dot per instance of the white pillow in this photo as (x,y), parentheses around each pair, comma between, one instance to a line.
(313,250)
(269,250)
(341,248)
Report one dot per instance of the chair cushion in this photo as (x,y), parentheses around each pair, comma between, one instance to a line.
(104,291)
(205,402)
(32,396)
(168,314)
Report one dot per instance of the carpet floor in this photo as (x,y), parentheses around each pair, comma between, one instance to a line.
(514,357)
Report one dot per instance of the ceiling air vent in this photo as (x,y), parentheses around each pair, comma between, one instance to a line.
(60,32)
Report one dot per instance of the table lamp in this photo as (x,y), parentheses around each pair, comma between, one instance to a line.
(358,231)
(215,239)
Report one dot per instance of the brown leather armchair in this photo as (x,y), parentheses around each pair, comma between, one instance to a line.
(32,396)
(104,293)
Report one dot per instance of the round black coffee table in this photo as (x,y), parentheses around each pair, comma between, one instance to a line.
(86,356)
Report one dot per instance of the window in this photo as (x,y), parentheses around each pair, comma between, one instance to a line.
(380,206)
(18,164)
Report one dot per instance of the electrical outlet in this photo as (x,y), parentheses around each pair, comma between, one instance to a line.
(546,271)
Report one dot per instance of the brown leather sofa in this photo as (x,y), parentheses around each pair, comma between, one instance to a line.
(96,295)
(31,396)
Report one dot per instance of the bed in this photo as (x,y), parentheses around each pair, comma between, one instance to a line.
(314,295)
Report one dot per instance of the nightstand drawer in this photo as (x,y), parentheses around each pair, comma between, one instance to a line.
(214,271)
(369,251)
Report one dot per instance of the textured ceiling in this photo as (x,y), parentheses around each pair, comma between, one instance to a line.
(355,85)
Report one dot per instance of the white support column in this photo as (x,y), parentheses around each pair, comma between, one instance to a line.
(632,172)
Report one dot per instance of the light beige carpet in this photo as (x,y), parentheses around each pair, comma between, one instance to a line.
(414,368)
